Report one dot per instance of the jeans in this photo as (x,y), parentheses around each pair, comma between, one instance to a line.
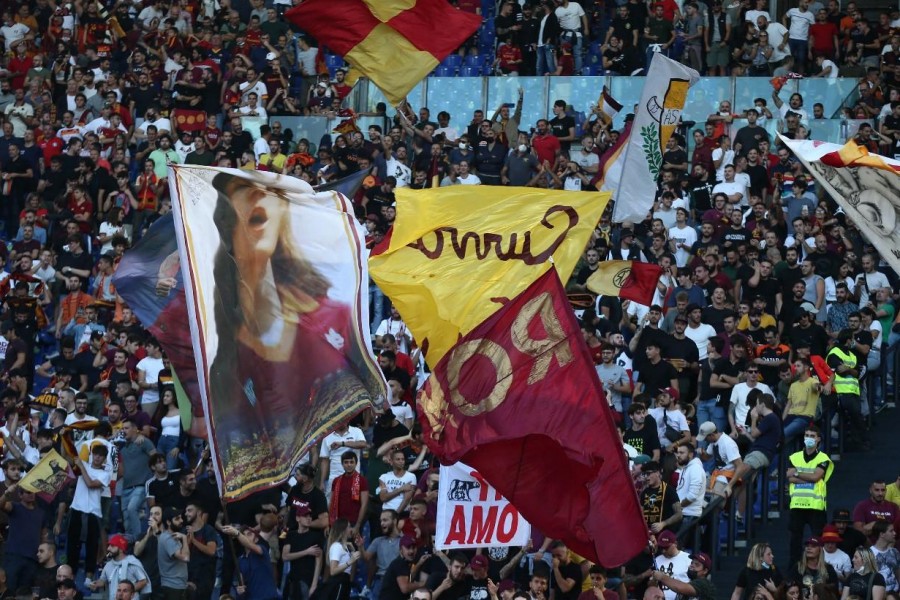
(375,593)
(795,426)
(799,50)
(686,532)
(166,444)
(376,305)
(873,381)
(133,501)
(20,570)
(707,410)
(577,42)
(546,60)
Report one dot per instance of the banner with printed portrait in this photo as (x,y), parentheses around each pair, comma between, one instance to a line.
(277,299)
(48,477)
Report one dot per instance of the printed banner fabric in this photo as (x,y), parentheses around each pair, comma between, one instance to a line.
(149,279)
(456,254)
(48,477)
(472,514)
(866,186)
(519,400)
(665,92)
(277,297)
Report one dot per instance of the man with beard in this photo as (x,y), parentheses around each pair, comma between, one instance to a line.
(790,308)
(699,586)
(401,577)
(201,538)
(749,136)
(121,566)
(305,493)
(659,500)
(766,287)
(683,354)
(614,379)
(691,486)
(452,584)
(806,331)
(648,333)
(642,436)
(383,550)
(303,550)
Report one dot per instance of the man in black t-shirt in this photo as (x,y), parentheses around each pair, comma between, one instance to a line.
(305,493)
(562,126)
(202,539)
(452,585)
(642,435)
(657,374)
(301,548)
(401,578)
(163,487)
(659,501)
(566,576)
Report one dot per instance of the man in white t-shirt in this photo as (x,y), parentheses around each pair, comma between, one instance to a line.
(574,25)
(148,369)
(827,68)
(736,191)
(673,561)
(798,34)
(345,437)
(396,487)
(723,450)
(722,156)
(395,326)
(86,503)
(682,237)
(698,331)
(737,414)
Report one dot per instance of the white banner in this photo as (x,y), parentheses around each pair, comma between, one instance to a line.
(656,117)
(866,186)
(472,514)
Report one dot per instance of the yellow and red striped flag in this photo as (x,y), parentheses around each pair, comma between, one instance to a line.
(395,43)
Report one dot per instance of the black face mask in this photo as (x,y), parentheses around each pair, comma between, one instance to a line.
(692,574)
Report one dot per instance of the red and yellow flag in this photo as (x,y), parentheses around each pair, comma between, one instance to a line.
(519,400)
(628,279)
(392,42)
(457,254)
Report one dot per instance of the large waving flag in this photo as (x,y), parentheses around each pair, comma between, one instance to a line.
(657,116)
(519,400)
(457,254)
(866,186)
(276,288)
(395,44)
(628,279)
(48,477)
(149,279)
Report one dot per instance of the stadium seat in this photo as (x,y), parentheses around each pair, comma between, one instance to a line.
(475,61)
(333,61)
(444,71)
(470,71)
(453,61)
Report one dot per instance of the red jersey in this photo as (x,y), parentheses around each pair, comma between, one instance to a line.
(510,55)
(546,147)
(50,147)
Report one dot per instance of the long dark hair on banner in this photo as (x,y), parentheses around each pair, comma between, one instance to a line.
(298,284)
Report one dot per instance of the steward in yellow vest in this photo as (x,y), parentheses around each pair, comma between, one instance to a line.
(843,361)
(808,475)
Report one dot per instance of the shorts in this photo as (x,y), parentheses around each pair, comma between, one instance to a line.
(756,460)
(717,56)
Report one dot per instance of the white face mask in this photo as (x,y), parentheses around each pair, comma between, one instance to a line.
(462,145)
(523,148)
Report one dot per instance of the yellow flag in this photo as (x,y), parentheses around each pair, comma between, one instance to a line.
(48,476)
(457,254)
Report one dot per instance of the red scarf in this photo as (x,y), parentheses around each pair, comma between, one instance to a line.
(355,478)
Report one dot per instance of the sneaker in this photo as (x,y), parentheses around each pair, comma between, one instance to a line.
(364,592)
(890,405)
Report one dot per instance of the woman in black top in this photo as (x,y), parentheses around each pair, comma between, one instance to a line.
(865,583)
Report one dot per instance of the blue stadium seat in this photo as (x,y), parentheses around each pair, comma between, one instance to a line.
(475,61)
(592,70)
(470,71)
(332,60)
(444,71)
(454,61)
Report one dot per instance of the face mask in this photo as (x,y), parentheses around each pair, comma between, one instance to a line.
(809,442)
(692,574)
(766,565)
(861,570)
(462,146)
(523,148)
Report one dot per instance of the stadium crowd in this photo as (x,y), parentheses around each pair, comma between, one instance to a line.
(765,346)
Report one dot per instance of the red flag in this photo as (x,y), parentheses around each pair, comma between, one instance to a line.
(519,400)
(189,120)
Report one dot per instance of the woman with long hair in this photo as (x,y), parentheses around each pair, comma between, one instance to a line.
(760,571)
(865,582)
(812,568)
(283,344)
(342,559)
(167,421)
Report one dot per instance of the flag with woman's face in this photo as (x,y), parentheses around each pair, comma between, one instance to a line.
(277,298)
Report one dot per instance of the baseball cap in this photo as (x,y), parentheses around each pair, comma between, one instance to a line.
(302,511)
(322,84)
(119,541)
(706,429)
(666,539)
(626,233)
(505,585)
(670,391)
(830,534)
(841,515)
(407,542)
(479,561)
(271,56)
(651,466)
(813,541)
(704,559)
(809,307)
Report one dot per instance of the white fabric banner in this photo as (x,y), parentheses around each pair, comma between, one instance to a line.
(657,116)
(866,186)
(472,514)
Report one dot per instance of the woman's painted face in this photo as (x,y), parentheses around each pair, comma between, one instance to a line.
(260,216)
